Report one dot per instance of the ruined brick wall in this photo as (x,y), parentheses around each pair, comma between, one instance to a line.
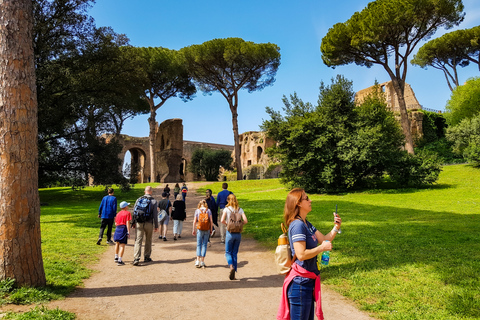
(169,151)
(416,118)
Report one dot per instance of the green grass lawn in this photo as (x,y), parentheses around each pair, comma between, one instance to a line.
(70,227)
(403,253)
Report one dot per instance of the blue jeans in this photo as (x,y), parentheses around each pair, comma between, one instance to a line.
(232,243)
(202,241)
(300,298)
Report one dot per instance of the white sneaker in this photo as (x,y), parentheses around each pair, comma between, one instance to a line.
(213,233)
(197,263)
(202,264)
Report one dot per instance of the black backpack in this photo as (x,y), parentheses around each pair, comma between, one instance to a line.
(142,212)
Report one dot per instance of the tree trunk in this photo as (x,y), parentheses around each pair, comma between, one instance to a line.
(404,121)
(151,142)
(233,108)
(20,241)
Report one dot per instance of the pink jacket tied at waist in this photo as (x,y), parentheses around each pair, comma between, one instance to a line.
(297,271)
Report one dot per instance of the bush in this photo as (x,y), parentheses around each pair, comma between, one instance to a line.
(254,172)
(273,171)
(339,146)
(415,170)
(466,139)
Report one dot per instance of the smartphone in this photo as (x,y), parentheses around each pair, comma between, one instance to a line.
(336,215)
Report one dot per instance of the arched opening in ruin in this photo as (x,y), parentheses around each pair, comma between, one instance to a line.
(183,169)
(259,153)
(134,164)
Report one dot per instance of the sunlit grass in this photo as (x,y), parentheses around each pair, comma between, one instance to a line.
(403,253)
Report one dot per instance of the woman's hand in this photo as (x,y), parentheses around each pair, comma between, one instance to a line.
(337,220)
(326,246)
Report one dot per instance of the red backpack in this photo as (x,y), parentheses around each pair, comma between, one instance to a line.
(203,220)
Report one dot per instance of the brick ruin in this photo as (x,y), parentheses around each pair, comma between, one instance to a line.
(172,154)
(415,116)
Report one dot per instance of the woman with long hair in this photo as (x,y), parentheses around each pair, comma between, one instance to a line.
(202,227)
(301,288)
(179,214)
(232,238)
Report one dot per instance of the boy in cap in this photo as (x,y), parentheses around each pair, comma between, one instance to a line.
(122,232)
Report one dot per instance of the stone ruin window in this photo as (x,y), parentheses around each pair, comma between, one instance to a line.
(259,153)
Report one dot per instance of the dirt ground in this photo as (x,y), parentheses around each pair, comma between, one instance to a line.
(171,287)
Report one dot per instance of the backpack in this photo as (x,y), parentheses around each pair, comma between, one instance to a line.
(162,214)
(141,212)
(203,220)
(283,253)
(235,223)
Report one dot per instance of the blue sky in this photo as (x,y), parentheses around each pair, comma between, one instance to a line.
(297,27)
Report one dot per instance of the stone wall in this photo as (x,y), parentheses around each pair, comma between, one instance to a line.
(416,117)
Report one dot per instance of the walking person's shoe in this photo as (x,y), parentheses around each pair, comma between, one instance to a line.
(148,260)
(179,236)
(174,238)
(197,263)
(136,262)
(110,242)
(120,263)
(99,241)
(116,259)
(202,265)
(160,237)
(164,239)
(232,274)
(213,233)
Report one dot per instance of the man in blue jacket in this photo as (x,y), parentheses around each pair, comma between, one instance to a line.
(221,203)
(107,211)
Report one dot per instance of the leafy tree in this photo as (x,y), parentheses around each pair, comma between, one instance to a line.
(338,146)
(20,240)
(207,162)
(164,77)
(229,65)
(86,85)
(464,102)
(385,33)
(457,48)
(466,139)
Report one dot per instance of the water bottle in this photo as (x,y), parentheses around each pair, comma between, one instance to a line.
(325,257)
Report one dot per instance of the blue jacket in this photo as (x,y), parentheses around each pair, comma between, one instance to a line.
(222,198)
(108,207)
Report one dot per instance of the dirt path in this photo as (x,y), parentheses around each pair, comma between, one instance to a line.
(171,287)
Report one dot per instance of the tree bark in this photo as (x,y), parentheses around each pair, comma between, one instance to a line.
(404,121)
(233,108)
(20,240)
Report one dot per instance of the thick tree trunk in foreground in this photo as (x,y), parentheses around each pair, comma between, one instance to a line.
(20,242)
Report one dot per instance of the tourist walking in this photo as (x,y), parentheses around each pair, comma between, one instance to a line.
(184,191)
(202,227)
(122,232)
(301,288)
(234,219)
(165,205)
(144,226)
(176,191)
(221,203)
(167,190)
(210,199)
(107,212)
(179,214)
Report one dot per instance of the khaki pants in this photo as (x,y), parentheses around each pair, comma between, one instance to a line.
(144,230)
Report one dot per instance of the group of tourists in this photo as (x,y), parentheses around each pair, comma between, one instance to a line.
(151,216)
(301,296)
